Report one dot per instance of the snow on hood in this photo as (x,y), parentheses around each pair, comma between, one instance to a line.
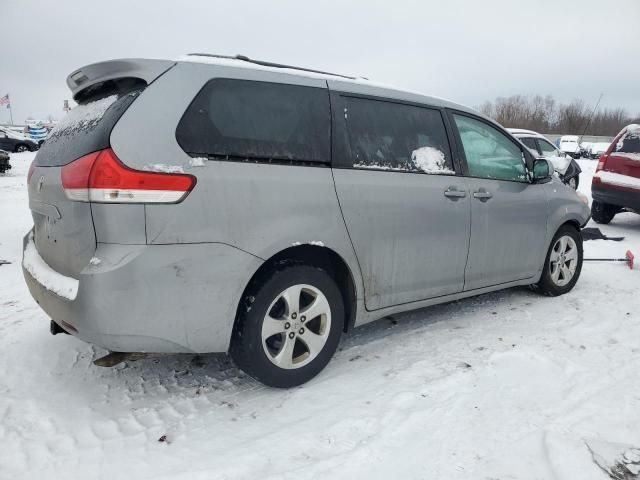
(560,164)
(13,134)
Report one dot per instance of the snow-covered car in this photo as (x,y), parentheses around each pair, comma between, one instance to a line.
(585,148)
(15,142)
(570,144)
(4,161)
(615,186)
(598,149)
(565,166)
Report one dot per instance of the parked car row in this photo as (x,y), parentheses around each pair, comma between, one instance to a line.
(566,167)
(596,149)
(573,146)
(277,207)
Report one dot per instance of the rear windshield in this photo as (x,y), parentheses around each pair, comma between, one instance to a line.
(630,142)
(85,129)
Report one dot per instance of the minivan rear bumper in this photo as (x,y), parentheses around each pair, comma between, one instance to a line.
(154,298)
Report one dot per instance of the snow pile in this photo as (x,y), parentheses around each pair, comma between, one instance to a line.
(560,163)
(198,162)
(629,155)
(162,168)
(317,243)
(430,160)
(53,281)
(616,460)
(378,166)
(83,116)
(618,179)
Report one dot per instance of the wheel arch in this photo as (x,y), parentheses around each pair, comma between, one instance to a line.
(571,222)
(316,256)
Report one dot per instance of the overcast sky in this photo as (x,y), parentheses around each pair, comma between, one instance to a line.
(466,51)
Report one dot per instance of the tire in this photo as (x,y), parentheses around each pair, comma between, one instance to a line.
(273,348)
(21,147)
(602,213)
(573,182)
(563,263)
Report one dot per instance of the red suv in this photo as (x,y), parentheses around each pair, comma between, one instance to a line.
(616,183)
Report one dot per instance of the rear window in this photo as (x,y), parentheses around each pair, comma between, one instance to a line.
(391,136)
(243,119)
(85,129)
(530,143)
(630,141)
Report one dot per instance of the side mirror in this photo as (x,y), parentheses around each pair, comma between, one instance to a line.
(541,171)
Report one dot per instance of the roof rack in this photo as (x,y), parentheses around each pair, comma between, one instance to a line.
(244,58)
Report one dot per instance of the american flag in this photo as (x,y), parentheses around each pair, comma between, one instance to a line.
(5,101)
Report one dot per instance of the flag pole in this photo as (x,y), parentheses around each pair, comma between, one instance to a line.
(10,111)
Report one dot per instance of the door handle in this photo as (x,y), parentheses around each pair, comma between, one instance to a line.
(482,195)
(453,192)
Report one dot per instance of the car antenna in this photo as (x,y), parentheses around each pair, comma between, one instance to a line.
(590,118)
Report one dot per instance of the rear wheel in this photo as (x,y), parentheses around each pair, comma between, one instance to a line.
(563,264)
(21,147)
(289,328)
(602,212)
(573,182)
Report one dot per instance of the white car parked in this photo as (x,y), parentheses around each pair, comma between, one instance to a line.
(570,144)
(564,165)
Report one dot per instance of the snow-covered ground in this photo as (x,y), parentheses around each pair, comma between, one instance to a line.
(508,385)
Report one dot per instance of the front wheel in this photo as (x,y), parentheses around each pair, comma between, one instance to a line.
(289,327)
(563,264)
(21,148)
(573,182)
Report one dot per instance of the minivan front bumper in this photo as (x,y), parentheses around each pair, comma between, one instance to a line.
(153,298)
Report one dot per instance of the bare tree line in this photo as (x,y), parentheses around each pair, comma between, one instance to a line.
(545,115)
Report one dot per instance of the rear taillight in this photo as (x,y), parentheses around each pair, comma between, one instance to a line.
(32,167)
(101,177)
(601,162)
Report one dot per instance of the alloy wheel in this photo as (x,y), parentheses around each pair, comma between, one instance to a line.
(296,326)
(563,260)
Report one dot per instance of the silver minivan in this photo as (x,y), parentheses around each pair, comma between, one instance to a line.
(223,204)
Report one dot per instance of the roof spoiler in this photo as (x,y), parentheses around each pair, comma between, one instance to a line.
(143,69)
